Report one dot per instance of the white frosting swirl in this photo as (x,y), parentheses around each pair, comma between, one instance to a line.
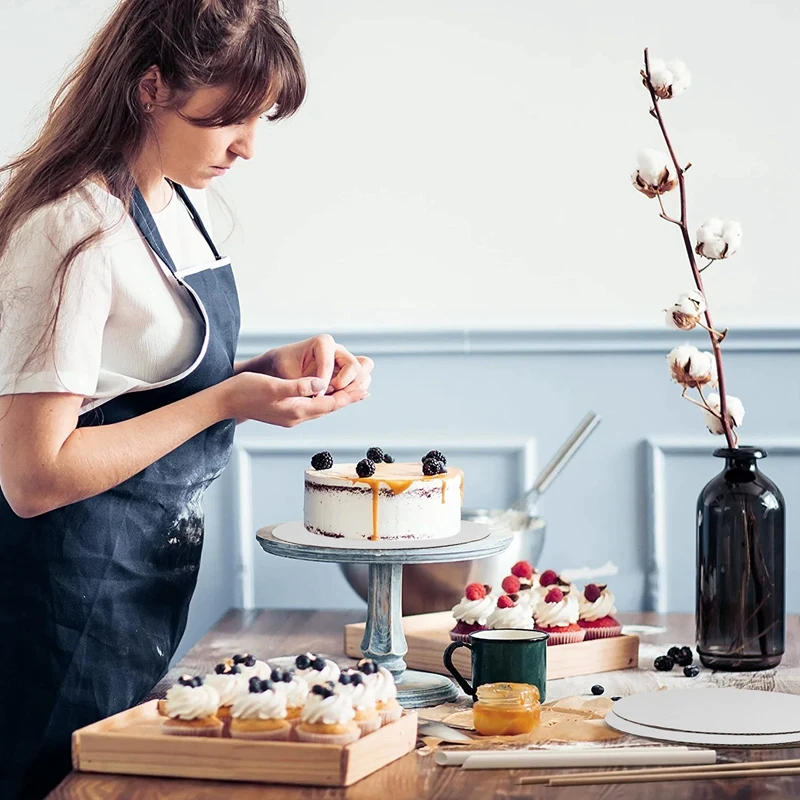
(531,594)
(602,607)
(228,686)
(295,691)
(362,695)
(557,615)
(330,672)
(334,710)
(259,670)
(474,611)
(382,684)
(518,616)
(259,705)
(191,702)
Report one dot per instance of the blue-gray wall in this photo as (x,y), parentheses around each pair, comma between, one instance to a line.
(500,401)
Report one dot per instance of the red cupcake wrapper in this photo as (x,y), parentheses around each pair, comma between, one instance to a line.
(462,631)
(603,622)
(564,637)
(603,633)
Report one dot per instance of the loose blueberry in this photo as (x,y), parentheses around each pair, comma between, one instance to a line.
(691,671)
(597,689)
(616,698)
(388,459)
(663,663)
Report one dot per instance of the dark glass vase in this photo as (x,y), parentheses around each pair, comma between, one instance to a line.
(740,566)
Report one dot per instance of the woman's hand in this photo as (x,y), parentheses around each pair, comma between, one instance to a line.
(286,403)
(321,357)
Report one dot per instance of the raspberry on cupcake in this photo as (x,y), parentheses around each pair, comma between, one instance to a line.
(472,611)
(595,612)
(556,614)
(261,713)
(509,612)
(191,709)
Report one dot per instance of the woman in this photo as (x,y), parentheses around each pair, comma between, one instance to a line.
(118,329)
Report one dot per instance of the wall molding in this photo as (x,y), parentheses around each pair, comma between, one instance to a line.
(532,340)
(657,450)
(246,448)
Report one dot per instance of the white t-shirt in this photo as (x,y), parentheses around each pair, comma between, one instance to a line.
(125,323)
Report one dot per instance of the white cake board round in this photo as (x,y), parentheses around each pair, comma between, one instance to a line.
(296,533)
(713,717)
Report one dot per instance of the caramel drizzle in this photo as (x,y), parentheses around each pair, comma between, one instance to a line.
(399,486)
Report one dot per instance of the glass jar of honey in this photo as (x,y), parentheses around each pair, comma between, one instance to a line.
(506,709)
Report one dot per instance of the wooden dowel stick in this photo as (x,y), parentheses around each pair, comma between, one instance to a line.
(744,765)
(705,774)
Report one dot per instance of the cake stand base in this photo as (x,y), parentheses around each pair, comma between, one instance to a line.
(422,689)
(384,640)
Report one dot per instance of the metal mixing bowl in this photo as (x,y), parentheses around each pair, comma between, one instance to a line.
(438,587)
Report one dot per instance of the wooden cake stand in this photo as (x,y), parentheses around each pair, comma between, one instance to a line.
(384,640)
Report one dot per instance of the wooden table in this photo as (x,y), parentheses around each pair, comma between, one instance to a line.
(416,777)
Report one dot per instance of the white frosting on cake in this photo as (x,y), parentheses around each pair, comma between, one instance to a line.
(518,616)
(398,502)
(557,615)
(474,611)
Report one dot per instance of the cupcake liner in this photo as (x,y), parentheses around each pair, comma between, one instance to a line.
(369,725)
(174,730)
(459,637)
(278,734)
(304,735)
(604,632)
(294,716)
(391,713)
(566,637)
(462,630)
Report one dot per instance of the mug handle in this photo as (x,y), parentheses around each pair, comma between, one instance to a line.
(448,662)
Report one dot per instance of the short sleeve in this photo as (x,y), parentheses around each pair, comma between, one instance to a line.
(30,293)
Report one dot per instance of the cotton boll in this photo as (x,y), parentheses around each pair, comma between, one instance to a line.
(714,420)
(685,314)
(668,79)
(653,176)
(692,368)
(718,239)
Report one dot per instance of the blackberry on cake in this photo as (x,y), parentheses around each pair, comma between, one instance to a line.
(323,460)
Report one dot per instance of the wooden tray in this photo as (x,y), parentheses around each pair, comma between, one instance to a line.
(428,635)
(131,743)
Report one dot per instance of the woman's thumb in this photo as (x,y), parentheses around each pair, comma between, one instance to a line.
(309,387)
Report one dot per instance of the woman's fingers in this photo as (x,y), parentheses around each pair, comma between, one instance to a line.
(348,368)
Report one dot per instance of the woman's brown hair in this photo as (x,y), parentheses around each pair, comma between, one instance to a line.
(97,125)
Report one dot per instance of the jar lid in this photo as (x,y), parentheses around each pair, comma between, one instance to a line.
(508,693)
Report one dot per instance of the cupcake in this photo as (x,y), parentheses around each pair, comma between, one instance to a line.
(510,612)
(381,682)
(229,682)
(327,718)
(294,689)
(315,669)
(472,611)
(557,615)
(191,709)
(548,579)
(528,579)
(352,684)
(251,667)
(595,612)
(260,714)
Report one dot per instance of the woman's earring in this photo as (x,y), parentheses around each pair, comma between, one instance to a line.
(148,106)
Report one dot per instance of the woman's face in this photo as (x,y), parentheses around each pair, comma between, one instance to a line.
(192,155)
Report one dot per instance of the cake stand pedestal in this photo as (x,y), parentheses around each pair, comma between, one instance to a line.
(384,640)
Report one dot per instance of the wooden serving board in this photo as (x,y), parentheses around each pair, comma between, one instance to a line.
(131,743)
(428,635)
